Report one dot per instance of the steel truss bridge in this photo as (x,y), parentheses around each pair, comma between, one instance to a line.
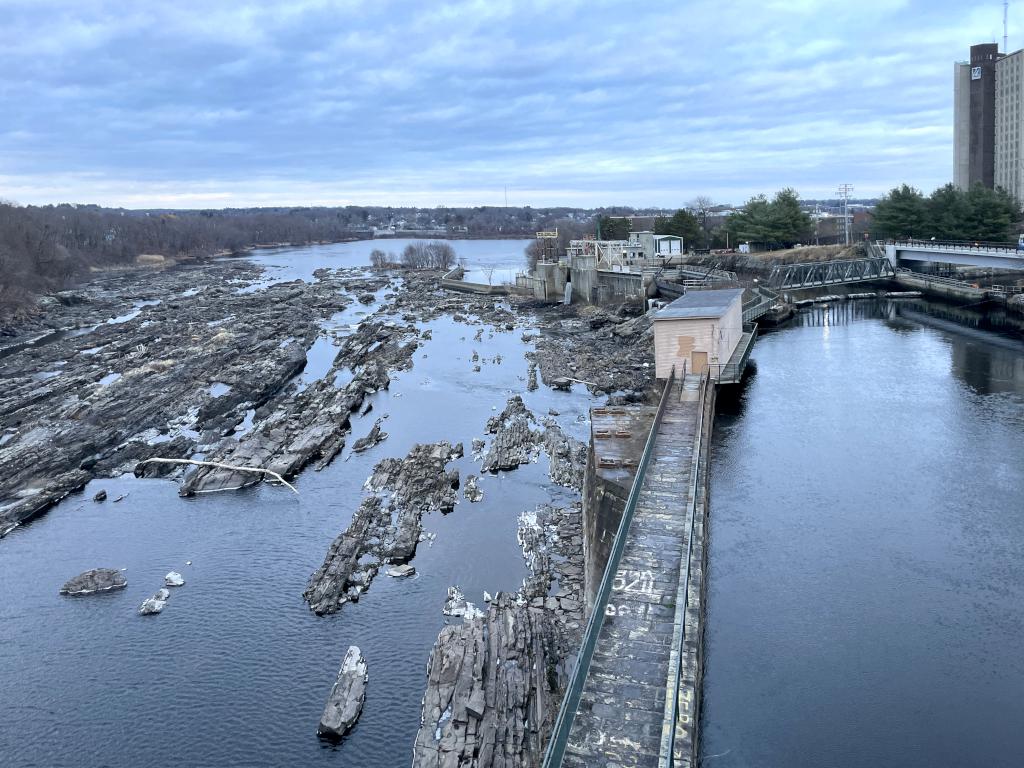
(820,273)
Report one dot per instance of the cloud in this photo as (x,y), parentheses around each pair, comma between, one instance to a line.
(197,103)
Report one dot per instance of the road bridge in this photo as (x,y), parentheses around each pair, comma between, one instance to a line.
(992,255)
(632,698)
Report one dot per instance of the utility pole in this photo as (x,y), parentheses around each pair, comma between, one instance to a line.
(1006,5)
(844,192)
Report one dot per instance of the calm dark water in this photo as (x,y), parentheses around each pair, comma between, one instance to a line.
(866,589)
(236,670)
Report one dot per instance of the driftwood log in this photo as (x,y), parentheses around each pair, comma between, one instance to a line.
(219,465)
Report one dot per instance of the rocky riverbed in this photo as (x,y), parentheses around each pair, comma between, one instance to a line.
(212,364)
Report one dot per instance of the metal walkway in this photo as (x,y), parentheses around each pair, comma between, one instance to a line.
(621,707)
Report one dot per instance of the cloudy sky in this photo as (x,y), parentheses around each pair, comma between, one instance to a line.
(212,103)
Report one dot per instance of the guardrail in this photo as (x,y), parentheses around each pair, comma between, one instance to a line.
(1006,290)
(957,245)
(559,740)
(666,758)
(925,278)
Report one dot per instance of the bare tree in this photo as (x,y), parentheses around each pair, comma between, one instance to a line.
(700,207)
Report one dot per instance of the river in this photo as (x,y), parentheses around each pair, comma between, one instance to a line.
(236,670)
(866,577)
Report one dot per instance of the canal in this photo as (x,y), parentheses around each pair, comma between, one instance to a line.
(866,579)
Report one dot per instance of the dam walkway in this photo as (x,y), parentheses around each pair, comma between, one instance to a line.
(631,700)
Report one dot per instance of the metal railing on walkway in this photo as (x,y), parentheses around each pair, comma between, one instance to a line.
(666,758)
(559,740)
(731,371)
(763,301)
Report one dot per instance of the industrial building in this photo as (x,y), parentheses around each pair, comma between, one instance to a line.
(988,120)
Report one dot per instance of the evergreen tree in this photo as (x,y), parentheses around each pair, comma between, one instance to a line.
(779,222)
(613,229)
(681,223)
(901,213)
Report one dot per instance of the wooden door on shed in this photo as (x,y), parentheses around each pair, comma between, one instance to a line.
(698,361)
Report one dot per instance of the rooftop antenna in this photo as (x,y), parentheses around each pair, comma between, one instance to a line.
(1006,5)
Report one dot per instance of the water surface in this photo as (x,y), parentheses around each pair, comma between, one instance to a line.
(866,581)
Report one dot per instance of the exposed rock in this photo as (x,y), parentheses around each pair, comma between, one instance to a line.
(101,496)
(562,383)
(457,605)
(567,458)
(154,604)
(345,702)
(387,527)
(375,435)
(514,441)
(174,579)
(401,571)
(531,377)
(472,491)
(495,682)
(488,690)
(96,580)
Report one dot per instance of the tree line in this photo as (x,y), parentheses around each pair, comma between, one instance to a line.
(432,255)
(44,248)
(975,214)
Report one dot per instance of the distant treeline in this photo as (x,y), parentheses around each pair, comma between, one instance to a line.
(44,248)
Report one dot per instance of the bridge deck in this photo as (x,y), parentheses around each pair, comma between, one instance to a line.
(621,713)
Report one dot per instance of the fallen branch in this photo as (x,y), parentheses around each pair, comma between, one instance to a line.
(218,465)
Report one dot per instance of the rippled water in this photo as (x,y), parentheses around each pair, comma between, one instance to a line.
(236,670)
(866,588)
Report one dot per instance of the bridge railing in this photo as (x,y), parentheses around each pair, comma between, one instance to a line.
(957,245)
(939,279)
(666,757)
(559,740)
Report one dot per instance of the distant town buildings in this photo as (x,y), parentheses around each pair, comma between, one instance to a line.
(988,120)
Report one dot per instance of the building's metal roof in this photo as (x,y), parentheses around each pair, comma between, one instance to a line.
(694,304)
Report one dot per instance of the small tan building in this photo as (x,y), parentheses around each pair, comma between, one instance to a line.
(698,330)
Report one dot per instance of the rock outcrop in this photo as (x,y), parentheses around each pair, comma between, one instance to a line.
(514,441)
(472,490)
(345,702)
(96,580)
(374,436)
(155,604)
(489,689)
(495,681)
(174,579)
(387,527)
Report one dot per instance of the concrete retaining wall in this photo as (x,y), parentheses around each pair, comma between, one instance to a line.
(481,288)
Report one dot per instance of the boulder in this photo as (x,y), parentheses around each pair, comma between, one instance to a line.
(472,490)
(345,702)
(155,604)
(174,579)
(101,496)
(401,571)
(96,580)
